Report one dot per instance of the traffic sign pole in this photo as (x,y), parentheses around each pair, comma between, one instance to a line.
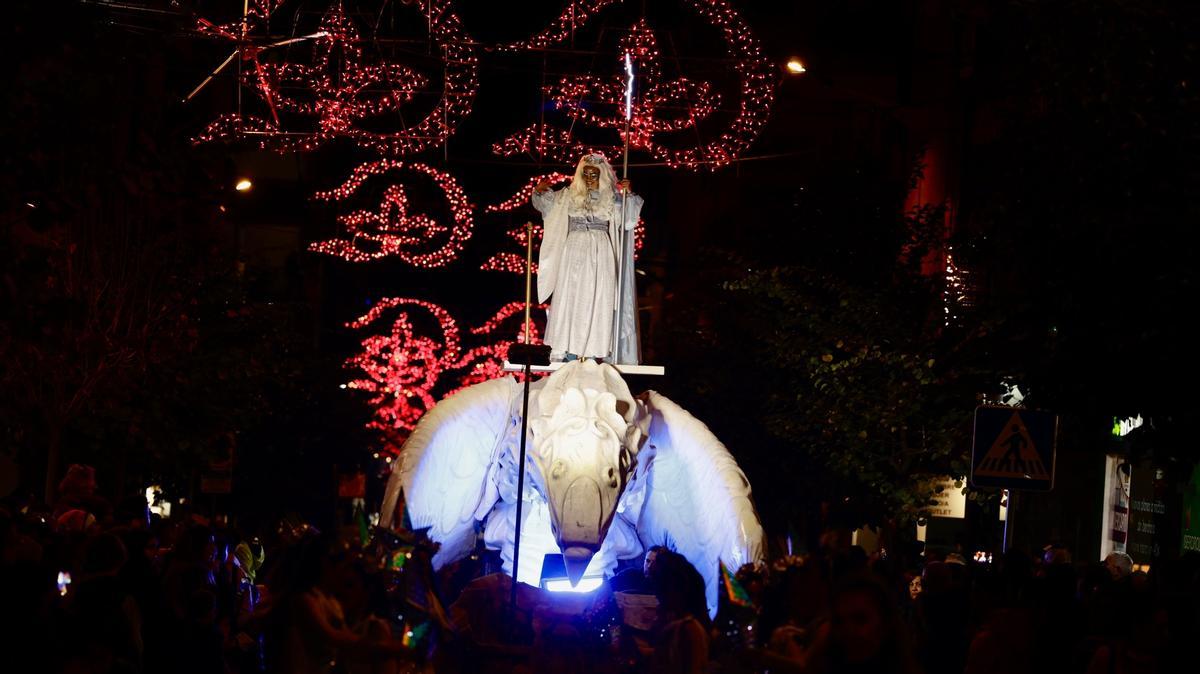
(1008,521)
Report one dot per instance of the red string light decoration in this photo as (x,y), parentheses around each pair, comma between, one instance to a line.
(340,93)
(392,230)
(257,12)
(511,263)
(486,362)
(599,102)
(514,262)
(237,32)
(573,16)
(521,198)
(400,368)
(403,368)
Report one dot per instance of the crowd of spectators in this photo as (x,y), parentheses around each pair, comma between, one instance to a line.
(89,586)
(846,611)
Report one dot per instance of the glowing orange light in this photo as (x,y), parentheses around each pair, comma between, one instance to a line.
(243,185)
(796,67)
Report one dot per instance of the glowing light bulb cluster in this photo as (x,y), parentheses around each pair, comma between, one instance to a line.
(521,198)
(339,93)
(545,141)
(400,367)
(486,362)
(601,103)
(574,16)
(757,89)
(257,12)
(511,263)
(958,293)
(417,351)
(391,229)
(695,99)
(421,357)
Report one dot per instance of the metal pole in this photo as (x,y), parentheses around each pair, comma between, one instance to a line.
(241,57)
(528,275)
(619,304)
(512,595)
(217,71)
(1008,521)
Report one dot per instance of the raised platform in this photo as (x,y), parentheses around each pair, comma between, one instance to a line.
(652,370)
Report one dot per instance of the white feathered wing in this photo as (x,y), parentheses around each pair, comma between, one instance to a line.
(443,466)
(697,499)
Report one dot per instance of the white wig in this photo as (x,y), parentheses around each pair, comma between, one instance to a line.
(608,181)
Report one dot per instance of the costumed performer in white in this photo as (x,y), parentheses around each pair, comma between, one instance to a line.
(579,261)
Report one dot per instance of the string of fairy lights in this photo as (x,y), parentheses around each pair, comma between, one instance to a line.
(340,84)
(581,96)
(393,230)
(257,13)
(341,90)
(574,16)
(757,90)
(607,104)
(523,195)
(401,367)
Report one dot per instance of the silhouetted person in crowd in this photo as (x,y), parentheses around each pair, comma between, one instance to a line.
(309,632)
(941,608)
(794,607)
(866,632)
(190,566)
(1138,648)
(1003,642)
(201,643)
(681,641)
(102,625)
(140,578)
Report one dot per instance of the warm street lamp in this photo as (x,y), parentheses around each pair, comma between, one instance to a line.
(243,185)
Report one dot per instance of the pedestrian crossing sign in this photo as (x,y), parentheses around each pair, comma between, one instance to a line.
(1013,448)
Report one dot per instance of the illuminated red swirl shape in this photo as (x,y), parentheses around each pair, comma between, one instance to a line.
(340,91)
(392,230)
(574,15)
(402,369)
(399,369)
(697,99)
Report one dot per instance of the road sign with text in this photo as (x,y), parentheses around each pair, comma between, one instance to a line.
(1014,449)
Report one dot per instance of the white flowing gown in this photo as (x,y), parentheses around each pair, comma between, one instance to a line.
(583,296)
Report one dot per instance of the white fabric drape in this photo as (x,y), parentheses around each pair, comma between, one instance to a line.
(577,271)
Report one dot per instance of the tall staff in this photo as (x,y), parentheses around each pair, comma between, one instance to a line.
(619,306)
(527,353)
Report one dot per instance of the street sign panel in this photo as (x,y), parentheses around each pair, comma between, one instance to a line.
(1014,449)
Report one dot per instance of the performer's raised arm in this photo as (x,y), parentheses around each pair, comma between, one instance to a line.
(542,197)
